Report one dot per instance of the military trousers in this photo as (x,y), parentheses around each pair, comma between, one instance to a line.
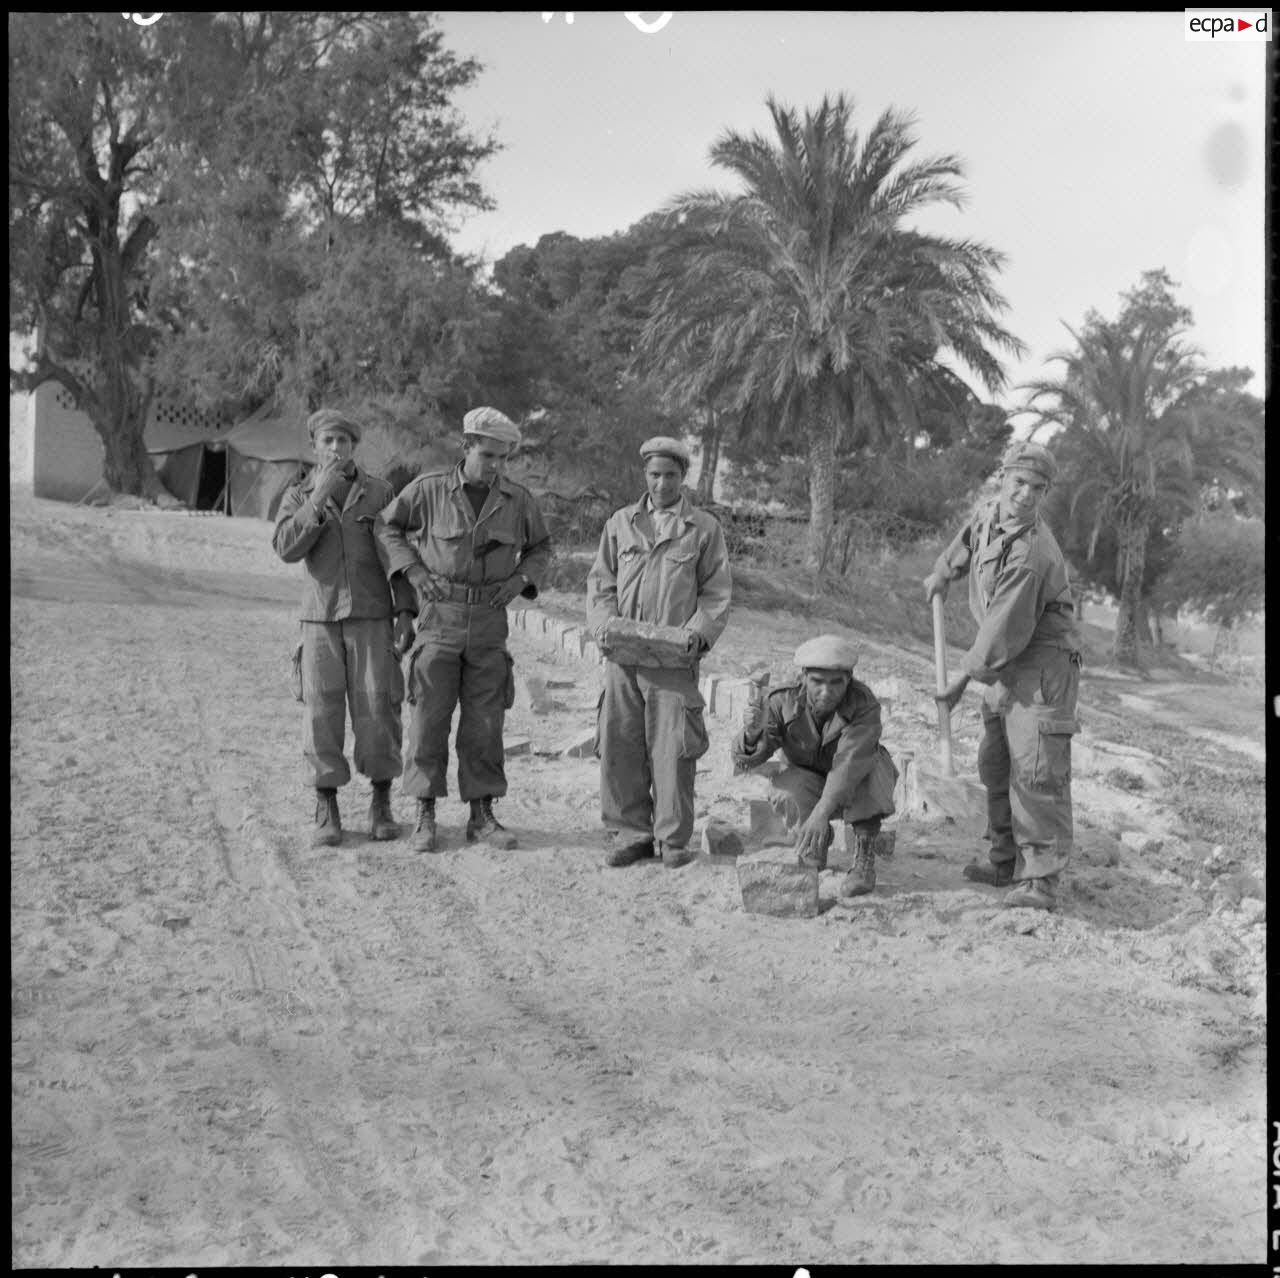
(1024,761)
(794,793)
(650,733)
(459,661)
(350,664)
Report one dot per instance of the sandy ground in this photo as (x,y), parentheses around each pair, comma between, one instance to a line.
(231,1049)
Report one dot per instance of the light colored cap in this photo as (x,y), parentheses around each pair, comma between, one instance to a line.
(1024,455)
(332,419)
(492,424)
(827,652)
(665,446)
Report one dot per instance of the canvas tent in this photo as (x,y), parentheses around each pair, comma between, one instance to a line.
(242,471)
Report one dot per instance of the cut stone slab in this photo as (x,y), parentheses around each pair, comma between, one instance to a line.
(517,745)
(719,839)
(767,827)
(772,885)
(924,792)
(582,745)
(531,694)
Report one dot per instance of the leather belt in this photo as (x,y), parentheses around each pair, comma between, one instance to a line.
(460,592)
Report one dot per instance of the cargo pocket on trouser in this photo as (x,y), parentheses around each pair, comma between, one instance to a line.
(694,742)
(1052,773)
(595,743)
(295,673)
(509,688)
(395,680)
(407,674)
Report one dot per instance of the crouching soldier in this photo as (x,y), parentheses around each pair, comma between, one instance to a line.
(828,728)
(347,656)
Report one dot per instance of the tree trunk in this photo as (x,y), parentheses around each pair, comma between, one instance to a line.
(126,467)
(710,442)
(822,474)
(1133,551)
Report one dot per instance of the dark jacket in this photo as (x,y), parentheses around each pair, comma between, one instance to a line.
(845,749)
(345,578)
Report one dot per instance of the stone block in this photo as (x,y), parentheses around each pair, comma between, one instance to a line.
(719,839)
(516,745)
(571,640)
(532,694)
(582,745)
(772,885)
(767,826)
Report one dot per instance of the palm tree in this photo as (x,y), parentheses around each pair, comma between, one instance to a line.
(803,304)
(1141,420)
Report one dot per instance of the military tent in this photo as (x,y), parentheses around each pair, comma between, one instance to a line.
(243,471)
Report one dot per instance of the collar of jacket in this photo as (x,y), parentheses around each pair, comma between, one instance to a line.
(840,717)
(502,483)
(682,508)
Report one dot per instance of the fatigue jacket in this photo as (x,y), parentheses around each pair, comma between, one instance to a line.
(432,523)
(844,749)
(681,580)
(1019,591)
(345,578)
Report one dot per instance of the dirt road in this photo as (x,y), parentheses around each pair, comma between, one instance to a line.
(231,1049)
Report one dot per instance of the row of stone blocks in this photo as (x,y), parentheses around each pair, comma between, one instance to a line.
(726,698)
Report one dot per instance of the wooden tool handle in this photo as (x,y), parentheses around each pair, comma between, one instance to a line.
(940,671)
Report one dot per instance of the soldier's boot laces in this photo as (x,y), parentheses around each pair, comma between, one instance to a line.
(483,825)
(861,879)
(382,824)
(424,832)
(327,831)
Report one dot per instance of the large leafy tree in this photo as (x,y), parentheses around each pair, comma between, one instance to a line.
(177,191)
(1146,429)
(806,306)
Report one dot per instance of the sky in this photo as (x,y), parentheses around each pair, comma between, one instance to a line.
(1094,146)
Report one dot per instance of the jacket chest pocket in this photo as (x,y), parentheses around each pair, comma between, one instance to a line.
(988,570)
(495,547)
(631,562)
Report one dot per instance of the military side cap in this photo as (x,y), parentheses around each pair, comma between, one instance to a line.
(492,424)
(1024,455)
(332,419)
(827,652)
(665,446)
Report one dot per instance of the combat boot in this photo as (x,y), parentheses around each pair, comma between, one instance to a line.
(674,855)
(993,873)
(483,825)
(861,879)
(327,831)
(629,853)
(1034,894)
(382,825)
(424,833)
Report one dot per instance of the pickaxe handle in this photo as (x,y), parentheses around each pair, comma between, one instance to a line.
(940,668)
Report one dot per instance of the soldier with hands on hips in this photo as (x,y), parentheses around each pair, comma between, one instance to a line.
(468,541)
